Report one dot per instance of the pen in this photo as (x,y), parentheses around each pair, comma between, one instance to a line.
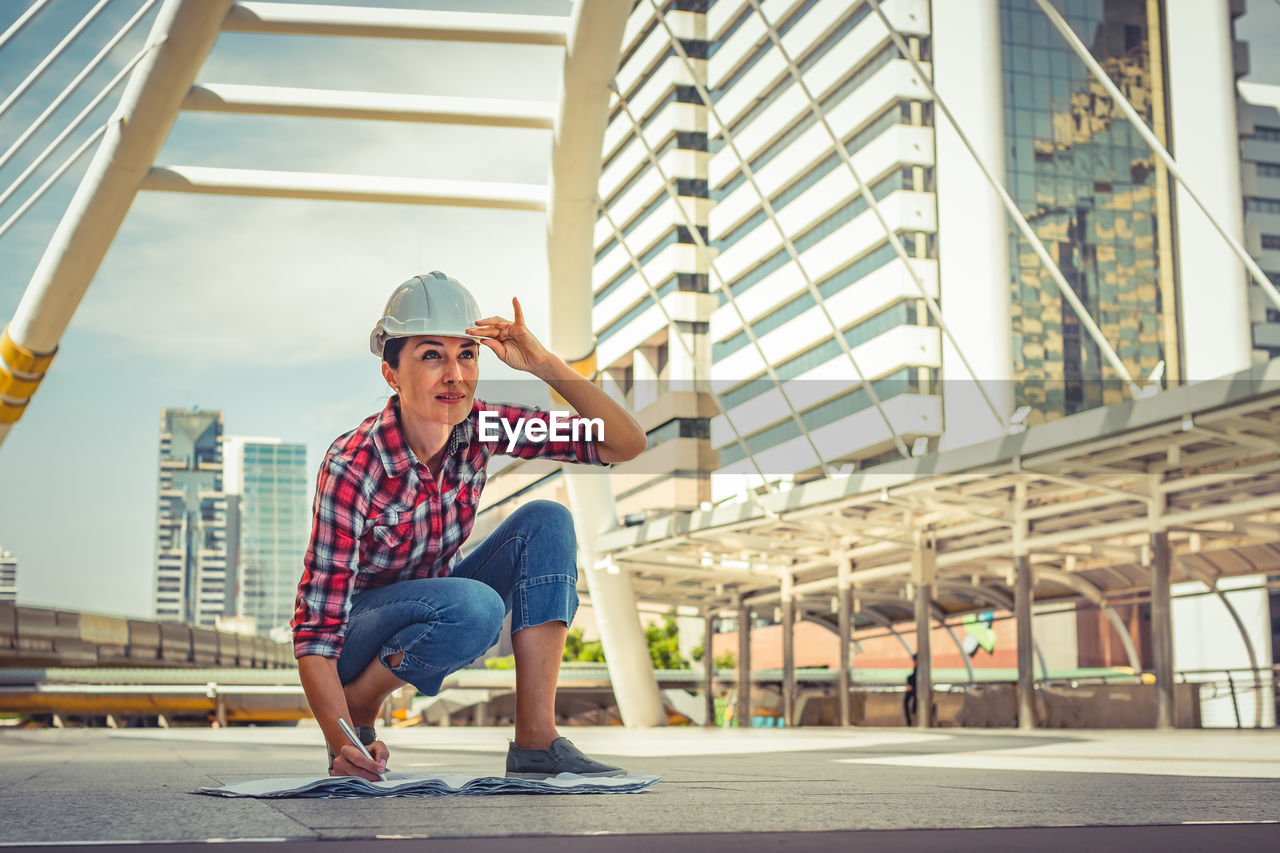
(351,736)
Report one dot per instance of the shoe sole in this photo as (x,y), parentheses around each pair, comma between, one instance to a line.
(540,776)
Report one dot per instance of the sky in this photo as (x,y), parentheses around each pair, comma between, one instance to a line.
(260,308)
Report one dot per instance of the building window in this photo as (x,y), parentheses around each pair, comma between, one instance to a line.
(691,140)
(679,428)
(691,187)
(1262,205)
(691,282)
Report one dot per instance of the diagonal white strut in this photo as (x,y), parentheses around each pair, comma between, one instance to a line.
(787,243)
(181,37)
(932,304)
(730,300)
(1099,74)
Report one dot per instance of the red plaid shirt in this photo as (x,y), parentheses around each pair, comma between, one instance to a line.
(381,518)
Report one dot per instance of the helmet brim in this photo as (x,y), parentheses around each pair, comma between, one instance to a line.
(379,337)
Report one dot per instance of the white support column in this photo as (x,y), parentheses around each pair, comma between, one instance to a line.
(1023,583)
(686,361)
(845,604)
(743,711)
(644,375)
(788,608)
(923,571)
(183,34)
(591,59)
(1213,287)
(1023,599)
(973,254)
(1162,628)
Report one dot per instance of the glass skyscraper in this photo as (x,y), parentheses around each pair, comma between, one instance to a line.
(1096,195)
(267,482)
(191,582)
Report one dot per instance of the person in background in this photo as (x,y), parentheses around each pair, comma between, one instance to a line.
(909,699)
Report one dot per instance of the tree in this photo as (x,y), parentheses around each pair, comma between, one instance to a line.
(575,649)
(728,660)
(664,645)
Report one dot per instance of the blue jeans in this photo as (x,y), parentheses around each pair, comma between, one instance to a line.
(527,567)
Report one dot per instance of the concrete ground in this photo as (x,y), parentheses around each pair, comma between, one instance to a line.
(793,790)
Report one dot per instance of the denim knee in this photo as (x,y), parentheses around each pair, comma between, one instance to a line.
(485,613)
(458,632)
(547,518)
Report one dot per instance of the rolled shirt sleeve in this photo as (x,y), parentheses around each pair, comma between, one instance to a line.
(568,439)
(331,562)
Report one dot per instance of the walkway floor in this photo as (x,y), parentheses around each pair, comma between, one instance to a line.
(728,788)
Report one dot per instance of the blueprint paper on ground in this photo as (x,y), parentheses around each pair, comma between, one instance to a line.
(430,785)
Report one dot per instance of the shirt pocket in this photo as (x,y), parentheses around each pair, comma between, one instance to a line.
(388,539)
(468,493)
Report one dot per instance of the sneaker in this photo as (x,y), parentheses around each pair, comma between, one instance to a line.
(562,757)
(367,736)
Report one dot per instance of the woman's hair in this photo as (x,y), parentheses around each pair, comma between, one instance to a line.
(391,351)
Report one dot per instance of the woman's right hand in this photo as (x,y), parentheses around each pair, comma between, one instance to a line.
(349,761)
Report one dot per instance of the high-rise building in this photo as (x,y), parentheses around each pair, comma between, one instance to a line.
(809,312)
(268,524)
(191,583)
(8,577)
(1260,173)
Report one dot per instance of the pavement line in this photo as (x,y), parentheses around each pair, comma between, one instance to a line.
(1071,764)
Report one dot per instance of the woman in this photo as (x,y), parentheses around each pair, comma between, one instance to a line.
(383,599)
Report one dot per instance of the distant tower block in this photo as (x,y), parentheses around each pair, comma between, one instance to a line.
(191,583)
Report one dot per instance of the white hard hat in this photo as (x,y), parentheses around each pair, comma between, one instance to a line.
(431,304)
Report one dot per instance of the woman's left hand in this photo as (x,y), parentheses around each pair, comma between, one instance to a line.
(512,341)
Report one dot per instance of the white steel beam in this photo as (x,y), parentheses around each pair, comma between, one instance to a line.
(320,20)
(181,38)
(329,187)
(591,59)
(379,106)
(589,66)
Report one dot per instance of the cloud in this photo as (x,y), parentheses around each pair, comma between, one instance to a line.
(292,282)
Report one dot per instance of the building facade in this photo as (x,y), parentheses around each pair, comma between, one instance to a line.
(781,200)
(191,580)
(1260,173)
(8,577)
(268,524)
